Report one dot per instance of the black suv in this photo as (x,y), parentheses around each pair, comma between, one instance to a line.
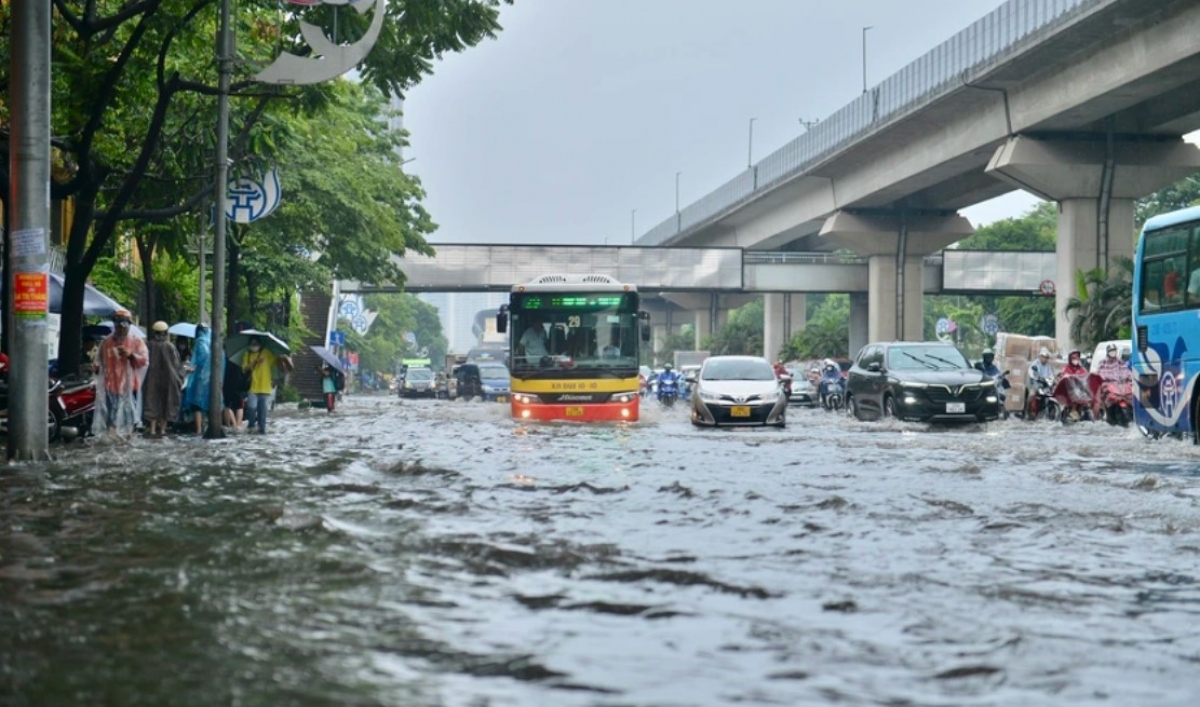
(928,381)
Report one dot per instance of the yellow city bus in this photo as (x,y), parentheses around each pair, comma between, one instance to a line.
(573,348)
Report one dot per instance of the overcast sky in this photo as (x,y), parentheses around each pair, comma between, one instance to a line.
(583,110)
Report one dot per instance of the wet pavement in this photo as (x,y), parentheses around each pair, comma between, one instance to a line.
(437,553)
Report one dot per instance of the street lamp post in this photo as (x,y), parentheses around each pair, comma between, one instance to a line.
(632,225)
(808,123)
(864,53)
(677,191)
(750,146)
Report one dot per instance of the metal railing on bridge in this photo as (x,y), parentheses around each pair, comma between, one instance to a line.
(1012,26)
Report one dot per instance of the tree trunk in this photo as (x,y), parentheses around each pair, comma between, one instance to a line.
(146,248)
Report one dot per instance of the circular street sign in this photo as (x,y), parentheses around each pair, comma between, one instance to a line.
(1047,287)
(990,324)
(943,326)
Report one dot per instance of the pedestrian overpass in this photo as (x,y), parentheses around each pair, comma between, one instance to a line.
(707,282)
(484,268)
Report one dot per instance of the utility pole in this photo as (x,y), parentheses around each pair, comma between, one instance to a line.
(224,50)
(750,146)
(28,264)
(864,52)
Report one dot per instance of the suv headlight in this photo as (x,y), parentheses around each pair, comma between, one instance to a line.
(488,389)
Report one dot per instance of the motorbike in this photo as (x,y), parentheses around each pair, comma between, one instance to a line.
(1116,399)
(1002,393)
(1075,397)
(835,394)
(786,381)
(1041,402)
(668,391)
(70,406)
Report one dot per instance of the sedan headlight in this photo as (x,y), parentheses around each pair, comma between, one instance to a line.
(709,396)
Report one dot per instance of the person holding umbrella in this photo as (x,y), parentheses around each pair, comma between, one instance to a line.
(259,362)
(195,400)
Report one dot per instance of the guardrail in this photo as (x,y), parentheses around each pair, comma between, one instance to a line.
(1013,25)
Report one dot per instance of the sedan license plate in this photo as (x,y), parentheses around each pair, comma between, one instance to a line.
(956,408)
(739,411)
(574,411)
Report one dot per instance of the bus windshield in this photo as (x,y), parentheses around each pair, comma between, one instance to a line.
(558,331)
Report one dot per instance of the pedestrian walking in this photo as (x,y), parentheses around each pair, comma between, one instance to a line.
(195,399)
(329,385)
(162,394)
(121,365)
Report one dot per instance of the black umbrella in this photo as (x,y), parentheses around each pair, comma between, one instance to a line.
(95,302)
(327,356)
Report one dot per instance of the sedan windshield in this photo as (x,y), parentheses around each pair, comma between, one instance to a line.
(930,358)
(493,372)
(738,370)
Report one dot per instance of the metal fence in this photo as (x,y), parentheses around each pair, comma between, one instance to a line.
(1009,28)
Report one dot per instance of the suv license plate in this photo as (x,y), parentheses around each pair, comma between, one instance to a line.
(739,411)
(574,411)
(502,398)
(956,408)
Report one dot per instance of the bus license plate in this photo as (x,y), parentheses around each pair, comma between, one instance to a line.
(574,411)
(739,411)
(956,408)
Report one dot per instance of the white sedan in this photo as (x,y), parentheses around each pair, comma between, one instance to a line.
(738,390)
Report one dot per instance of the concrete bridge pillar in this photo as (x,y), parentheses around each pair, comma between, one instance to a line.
(1095,183)
(658,336)
(783,316)
(895,245)
(860,310)
(704,325)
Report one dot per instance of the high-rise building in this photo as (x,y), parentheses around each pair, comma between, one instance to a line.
(457,311)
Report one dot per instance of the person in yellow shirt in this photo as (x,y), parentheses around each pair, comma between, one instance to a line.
(259,364)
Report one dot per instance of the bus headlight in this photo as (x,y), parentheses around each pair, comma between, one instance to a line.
(526,399)
(623,398)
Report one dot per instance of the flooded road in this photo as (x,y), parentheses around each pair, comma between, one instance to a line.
(437,553)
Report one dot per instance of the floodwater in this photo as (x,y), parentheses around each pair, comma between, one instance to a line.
(437,553)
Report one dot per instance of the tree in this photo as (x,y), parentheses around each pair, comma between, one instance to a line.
(683,340)
(134,101)
(742,334)
(1102,305)
(1035,230)
(826,333)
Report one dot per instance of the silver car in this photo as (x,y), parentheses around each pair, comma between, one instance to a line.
(738,390)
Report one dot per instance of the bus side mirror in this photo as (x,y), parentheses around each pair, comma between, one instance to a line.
(502,320)
(644,319)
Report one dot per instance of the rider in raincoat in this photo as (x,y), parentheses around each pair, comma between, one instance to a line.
(121,369)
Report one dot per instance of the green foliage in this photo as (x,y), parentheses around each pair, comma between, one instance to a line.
(1102,305)
(742,334)
(1036,230)
(1181,194)
(826,333)
(682,340)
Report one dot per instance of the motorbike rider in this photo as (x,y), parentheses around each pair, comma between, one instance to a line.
(831,375)
(669,376)
(782,373)
(1112,370)
(991,370)
(1041,378)
(1074,367)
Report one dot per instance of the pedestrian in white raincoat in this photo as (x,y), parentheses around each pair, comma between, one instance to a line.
(121,369)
